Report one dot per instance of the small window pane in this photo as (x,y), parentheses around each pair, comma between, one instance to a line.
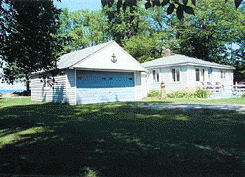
(177,73)
(173,74)
(157,77)
(197,75)
(154,75)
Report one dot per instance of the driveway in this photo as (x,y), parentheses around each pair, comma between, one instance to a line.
(195,106)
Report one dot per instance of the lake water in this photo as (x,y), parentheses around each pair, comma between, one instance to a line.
(4,92)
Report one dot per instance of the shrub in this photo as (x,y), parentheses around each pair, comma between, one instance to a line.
(199,93)
(187,94)
(154,93)
(243,95)
(179,94)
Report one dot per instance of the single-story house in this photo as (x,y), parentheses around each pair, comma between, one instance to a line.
(180,72)
(102,73)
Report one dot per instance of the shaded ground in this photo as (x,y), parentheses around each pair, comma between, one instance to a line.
(121,140)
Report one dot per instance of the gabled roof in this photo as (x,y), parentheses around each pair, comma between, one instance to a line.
(99,58)
(177,60)
(70,59)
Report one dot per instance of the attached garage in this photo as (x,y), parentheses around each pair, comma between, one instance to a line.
(98,74)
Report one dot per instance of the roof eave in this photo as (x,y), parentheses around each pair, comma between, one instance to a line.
(189,63)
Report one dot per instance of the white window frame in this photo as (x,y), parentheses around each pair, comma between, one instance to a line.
(156,75)
(176,72)
(201,74)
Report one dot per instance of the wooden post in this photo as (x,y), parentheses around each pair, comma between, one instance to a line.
(163,90)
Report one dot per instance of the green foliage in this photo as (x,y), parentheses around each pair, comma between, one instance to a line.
(180,6)
(243,95)
(180,94)
(83,28)
(207,34)
(201,93)
(124,21)
(154,93)
(144,47)
(187,94)
(28,43)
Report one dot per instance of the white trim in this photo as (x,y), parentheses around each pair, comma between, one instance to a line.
(157,73)
(67,86)
(75,86)
(107,70)
(135,90)
(171,72)
(202,72)
(189,64)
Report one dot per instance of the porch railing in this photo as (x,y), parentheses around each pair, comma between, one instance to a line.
(224,87)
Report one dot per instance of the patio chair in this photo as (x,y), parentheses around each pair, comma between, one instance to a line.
(240,88)
(201,86)
(219,87)
(209,86)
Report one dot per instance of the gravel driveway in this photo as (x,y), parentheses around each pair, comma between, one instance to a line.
(237,108)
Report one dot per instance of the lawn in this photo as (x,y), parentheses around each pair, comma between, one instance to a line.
(119,139)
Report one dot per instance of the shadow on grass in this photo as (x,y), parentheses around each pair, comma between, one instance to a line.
(121,140)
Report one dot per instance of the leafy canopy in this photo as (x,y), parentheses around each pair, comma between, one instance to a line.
(180,6)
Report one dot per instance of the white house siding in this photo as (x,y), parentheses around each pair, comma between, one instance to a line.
(187,78)
(71,87)
(37,88)
(102,60)
(144,84)
(139,90)
(40,92)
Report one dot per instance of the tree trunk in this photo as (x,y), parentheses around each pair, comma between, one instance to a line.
(27,84)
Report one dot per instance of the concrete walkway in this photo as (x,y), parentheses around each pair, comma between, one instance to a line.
(194,106)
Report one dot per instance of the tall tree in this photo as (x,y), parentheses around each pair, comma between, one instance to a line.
(145,47)
(124,21)
(207,34)
(28,42)
(84,27)
(180,7)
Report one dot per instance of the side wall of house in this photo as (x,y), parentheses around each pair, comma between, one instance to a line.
(139,90)
(187,78)
(71,87)
(37,88)
(42,91)
(165,75)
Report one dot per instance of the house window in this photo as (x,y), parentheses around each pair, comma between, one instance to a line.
(175,74)
(155,74)
(200,75)
(222,74)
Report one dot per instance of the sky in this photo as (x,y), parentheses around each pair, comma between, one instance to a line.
(73,5)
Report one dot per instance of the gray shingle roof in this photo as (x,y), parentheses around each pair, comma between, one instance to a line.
(70,59)
(175,60)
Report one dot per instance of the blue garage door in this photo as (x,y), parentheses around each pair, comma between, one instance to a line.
(99,87)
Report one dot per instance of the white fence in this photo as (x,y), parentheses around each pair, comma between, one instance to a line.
(225,88)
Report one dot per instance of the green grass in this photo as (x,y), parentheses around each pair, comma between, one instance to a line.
(119,139)
(17,101)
